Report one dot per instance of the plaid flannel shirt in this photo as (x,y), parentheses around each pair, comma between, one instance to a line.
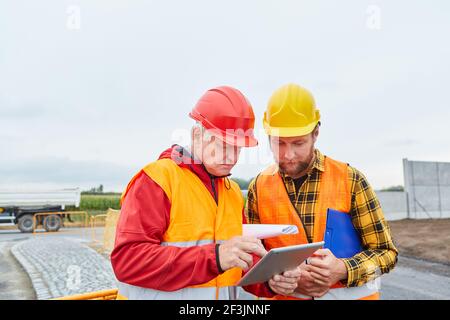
(379,255)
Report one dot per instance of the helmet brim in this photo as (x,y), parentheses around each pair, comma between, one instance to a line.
(286,132)
(235,140)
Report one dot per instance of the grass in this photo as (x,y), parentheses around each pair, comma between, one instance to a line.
(99,202)
(96,204)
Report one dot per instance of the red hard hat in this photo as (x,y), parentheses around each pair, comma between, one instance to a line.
(227,113)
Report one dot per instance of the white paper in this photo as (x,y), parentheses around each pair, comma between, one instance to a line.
(263,231)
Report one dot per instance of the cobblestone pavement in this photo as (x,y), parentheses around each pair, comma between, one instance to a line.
(60,267)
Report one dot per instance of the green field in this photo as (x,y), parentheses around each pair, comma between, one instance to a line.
(99,202)
(96,204)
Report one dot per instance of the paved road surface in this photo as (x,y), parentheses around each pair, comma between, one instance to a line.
(14,281)
(414,279)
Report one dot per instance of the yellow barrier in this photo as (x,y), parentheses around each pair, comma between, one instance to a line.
(112,217)
(93,224)
(110,294)
(61,214)
(109,232)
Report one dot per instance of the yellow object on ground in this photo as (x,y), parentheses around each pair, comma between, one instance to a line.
(110,294)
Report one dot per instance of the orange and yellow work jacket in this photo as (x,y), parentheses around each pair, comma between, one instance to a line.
(275,207)
(195,219)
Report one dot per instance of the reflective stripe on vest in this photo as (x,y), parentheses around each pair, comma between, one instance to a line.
(369,289)
(204,293)
(195,219)
(275,207)
(182,244)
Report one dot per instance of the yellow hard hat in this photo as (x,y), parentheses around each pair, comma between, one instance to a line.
(291,112)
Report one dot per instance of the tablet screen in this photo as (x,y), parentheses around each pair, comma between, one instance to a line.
(278,260)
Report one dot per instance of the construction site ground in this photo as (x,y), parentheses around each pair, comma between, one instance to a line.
(422,272)
(423,239)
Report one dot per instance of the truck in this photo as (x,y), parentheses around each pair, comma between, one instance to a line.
(18,207)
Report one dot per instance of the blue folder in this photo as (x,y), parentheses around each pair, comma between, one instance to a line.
(341,236)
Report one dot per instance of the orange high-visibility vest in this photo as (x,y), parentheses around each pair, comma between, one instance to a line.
(195,219)
(275,207)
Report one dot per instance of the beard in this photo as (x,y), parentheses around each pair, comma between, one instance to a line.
(294,168)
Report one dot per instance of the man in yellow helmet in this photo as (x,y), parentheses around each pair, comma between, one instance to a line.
(299,189)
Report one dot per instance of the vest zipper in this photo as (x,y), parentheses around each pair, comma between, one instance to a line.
(214,188)
(293,205)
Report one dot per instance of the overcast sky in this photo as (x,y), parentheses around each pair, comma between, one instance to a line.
(91,91)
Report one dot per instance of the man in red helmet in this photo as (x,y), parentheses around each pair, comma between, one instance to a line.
(179,232)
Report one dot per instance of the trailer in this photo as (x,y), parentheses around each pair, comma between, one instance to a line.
(24,208)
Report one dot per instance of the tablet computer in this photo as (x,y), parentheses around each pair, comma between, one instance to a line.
(278,260)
